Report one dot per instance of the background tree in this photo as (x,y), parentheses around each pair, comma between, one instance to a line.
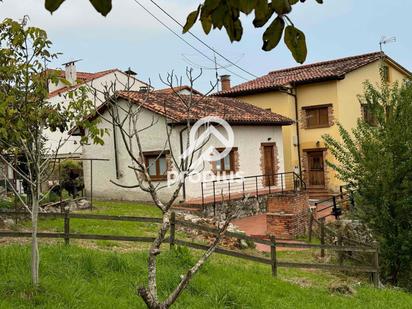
(226,14)
(375,160)
(71,177)
(26,115)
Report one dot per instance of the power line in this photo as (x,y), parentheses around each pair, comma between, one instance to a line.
(202,42)
(182,39)
(204,67)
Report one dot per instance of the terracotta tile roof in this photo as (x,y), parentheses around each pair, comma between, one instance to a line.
(82,77)
(232,110)
(178,89)
(86,76)
(326,70)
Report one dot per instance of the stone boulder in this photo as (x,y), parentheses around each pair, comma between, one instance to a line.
(355,233)
(351,229)
(71,205)
(228,242)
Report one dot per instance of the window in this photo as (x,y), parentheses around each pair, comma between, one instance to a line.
(317,116)
(227,164)
(156,163)
(368,116)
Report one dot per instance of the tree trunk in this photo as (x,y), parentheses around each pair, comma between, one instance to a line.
(35,257)
(149,294)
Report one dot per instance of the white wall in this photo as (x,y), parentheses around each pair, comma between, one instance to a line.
(248,140)
(72,143)
(153,139)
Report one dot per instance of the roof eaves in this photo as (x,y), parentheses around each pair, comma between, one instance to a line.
(398,66)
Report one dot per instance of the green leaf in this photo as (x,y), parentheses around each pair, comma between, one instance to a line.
(234,29)
(206,24)
(191,19)
(292,2)
(247,6)
(273,34)
(102,6)
(296,42)
(210,5)
(219,15)
(281,6)
(52,5)
(262,13)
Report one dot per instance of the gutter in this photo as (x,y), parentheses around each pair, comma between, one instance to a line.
(116,157)
(182,161)
(292,91)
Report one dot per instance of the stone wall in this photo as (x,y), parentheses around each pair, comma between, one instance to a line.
(287,215)
(250,207)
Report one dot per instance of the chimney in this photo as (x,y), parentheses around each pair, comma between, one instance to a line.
(71,74)
(225,82)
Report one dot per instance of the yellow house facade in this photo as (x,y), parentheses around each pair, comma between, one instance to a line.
(317,96)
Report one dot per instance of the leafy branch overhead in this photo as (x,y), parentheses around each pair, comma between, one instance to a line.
(226,14)
(220,14)
(102,6)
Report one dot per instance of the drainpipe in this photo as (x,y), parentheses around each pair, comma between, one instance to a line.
(292,91)
(182,162)
(116,158)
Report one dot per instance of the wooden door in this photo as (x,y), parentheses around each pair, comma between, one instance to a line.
(269,163)
(316,169)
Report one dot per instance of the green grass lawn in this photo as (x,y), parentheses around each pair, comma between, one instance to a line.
(102,227)
(120,228)
(109,227)
(92,274)
(76,277)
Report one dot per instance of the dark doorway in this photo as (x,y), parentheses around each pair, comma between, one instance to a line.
(316,169)
(269,164)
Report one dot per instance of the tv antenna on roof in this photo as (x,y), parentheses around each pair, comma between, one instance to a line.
(384,40)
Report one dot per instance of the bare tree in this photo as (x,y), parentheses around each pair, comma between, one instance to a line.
(124,113)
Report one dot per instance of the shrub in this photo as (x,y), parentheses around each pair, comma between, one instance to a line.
(72,177)
(376,161)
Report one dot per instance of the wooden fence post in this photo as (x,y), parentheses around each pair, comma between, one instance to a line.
(172,229)
(375,262)
(66,228)
(310,225)
(340,244)
(322,236)
(273,256)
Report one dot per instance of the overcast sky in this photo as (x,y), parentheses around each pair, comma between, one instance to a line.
(129,37)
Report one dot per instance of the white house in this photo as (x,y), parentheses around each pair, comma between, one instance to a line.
(257,146)
(58,95)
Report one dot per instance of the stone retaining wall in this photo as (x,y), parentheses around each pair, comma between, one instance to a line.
(251,207)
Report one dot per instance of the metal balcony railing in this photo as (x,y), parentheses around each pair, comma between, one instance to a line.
(235,188)
(335,205)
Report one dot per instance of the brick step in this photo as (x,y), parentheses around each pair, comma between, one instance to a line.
(316,188)
(319,193)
